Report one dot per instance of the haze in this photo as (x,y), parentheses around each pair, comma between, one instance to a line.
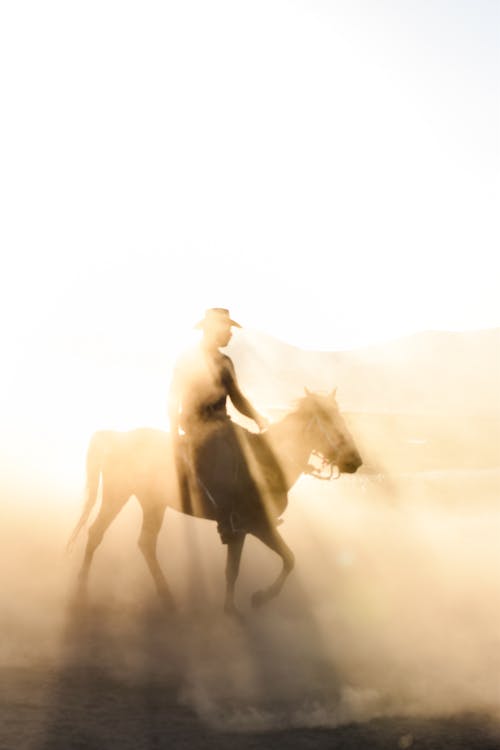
(329,172)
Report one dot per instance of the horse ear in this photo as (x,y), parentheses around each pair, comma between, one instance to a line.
(307,391)
(333,393)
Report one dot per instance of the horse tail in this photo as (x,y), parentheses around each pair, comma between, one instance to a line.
(95,455)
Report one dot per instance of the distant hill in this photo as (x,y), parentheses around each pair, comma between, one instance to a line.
(427,373)
(426,402)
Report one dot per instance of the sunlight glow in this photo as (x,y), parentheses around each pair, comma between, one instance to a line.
(327,174)
(328,171)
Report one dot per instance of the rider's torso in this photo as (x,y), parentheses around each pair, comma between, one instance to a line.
(205,378)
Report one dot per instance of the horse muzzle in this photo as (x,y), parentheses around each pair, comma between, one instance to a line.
(349,464)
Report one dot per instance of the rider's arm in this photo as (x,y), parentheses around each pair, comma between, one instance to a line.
(239,400)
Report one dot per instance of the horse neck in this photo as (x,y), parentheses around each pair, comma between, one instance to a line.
(291,446)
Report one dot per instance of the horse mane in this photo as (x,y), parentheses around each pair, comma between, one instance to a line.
(308,402)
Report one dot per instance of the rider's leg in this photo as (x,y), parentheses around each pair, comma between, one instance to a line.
(219,470)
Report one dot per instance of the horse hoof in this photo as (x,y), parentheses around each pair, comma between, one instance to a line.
(78,598)
(234,614)
(258,599)
(167,603)
(81,588)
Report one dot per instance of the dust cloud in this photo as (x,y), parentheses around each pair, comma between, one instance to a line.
(393,608)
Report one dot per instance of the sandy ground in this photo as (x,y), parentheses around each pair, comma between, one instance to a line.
(86,708)
(386,636)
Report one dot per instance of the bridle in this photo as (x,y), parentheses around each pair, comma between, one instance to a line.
(325,471)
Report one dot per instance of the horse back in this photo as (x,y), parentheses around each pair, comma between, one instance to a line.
(135,462)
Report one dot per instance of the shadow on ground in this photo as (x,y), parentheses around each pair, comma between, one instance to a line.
(126,681)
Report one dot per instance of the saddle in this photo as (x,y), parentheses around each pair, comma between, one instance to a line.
(256,491)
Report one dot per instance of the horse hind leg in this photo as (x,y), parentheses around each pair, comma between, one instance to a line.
(234,550)
(151,525)
(111,505)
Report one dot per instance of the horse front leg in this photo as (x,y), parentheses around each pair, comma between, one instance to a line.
(272,539)
(233,559)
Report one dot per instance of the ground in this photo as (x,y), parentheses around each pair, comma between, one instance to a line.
(386,636)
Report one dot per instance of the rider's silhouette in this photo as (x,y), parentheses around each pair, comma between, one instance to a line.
(202,381)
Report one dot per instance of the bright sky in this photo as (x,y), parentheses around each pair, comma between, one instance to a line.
(327,170)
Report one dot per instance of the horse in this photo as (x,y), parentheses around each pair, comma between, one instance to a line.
(141,462)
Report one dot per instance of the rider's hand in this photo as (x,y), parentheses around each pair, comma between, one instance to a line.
(262,422)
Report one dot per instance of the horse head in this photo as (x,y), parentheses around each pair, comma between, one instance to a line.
(328,433)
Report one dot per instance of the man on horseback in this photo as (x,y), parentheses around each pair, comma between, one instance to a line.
(210,448)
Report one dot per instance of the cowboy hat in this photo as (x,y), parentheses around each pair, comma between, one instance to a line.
(216,316)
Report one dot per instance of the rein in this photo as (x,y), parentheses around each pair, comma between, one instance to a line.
(325,471)
(326,466)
